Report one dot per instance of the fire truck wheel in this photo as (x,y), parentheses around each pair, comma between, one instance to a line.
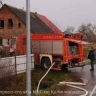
(46,63)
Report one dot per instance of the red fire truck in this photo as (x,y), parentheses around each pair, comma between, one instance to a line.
(49,48)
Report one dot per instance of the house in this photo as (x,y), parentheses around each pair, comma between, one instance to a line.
(13,21)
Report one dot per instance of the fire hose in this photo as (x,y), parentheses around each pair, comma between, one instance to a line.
(44,76)
(76,83)
(66,83)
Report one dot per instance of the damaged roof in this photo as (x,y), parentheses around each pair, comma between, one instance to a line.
(36,24)
(49,23)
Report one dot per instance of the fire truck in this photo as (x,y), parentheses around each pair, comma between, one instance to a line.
(64,50)
(4,47)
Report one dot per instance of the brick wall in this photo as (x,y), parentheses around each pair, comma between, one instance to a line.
(18,26)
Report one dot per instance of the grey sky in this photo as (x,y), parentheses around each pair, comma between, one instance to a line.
(62,13)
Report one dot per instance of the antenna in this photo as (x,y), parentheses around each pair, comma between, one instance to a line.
(1,2)
(23,8)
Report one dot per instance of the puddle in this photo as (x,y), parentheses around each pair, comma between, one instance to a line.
(93,74)
(83,80)
(79,69)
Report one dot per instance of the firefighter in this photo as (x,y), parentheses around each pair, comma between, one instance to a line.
(91,56)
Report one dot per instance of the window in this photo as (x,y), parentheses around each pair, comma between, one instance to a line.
(10,23)
(19,25)
(0,41)
(1,23)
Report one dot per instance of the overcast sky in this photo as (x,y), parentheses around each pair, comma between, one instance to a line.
(62,13)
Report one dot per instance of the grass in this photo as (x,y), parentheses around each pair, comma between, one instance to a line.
(52,79)
(86,49)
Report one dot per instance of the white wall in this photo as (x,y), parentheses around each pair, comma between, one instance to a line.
(8,65)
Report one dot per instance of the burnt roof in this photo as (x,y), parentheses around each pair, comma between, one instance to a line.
(36,24)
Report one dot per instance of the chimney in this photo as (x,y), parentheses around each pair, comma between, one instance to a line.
(35,12)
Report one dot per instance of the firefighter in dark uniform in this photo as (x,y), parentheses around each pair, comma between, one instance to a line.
(91,56)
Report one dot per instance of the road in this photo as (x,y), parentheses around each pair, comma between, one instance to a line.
(86,76)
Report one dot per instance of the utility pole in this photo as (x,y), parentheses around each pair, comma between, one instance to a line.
(28,58)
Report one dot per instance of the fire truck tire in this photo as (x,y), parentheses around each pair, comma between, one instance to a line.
(45,63)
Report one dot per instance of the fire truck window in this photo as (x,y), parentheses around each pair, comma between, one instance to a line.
(73,48)
(13,41)
(0,41)
(24,41)
(1,23)
(10,23)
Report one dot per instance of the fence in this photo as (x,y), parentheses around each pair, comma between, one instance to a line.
(14,65)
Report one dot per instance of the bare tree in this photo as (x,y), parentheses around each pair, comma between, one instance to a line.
(94,28)
(88,32)
(70,29)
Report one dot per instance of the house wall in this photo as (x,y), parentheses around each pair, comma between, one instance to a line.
(6,14)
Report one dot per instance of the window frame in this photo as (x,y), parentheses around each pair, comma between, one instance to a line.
(10,23)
